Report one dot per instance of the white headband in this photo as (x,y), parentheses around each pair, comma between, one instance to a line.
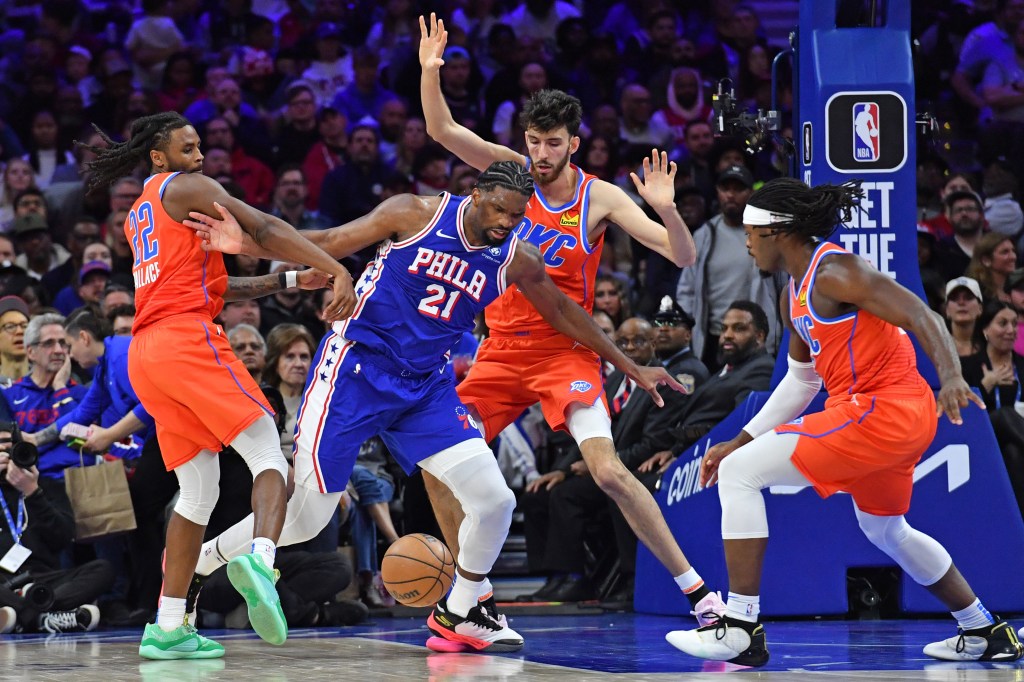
(752,215)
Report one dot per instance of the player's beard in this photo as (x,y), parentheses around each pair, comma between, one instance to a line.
(495,241)
(553,174)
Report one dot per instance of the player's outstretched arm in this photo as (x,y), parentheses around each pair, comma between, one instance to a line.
(456,138)
(245,288)
(849,279)
(193,192)
(396,218)
(561,312)
(673,239)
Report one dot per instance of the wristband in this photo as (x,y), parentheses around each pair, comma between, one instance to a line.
(291,279)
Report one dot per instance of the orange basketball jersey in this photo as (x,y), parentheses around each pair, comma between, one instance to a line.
(560,232)
(173,276)
(855,352)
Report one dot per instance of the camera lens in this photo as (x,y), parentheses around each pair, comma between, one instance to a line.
(24,455)
(40,596)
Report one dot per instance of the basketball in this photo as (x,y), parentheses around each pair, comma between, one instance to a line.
(418,570)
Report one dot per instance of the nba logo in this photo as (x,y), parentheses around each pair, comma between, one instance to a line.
(866,138)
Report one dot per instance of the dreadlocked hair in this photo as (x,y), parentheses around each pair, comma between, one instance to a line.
(507,175)
(816,211)
(121,158)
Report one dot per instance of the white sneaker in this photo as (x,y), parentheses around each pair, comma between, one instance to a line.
(709,609)
(996,642)
(8,619)
(723,640)
(478,629)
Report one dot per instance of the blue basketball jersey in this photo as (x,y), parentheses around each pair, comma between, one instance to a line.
(420,294)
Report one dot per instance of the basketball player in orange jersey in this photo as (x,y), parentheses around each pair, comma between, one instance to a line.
(524,360)
(188,378)
(847,323)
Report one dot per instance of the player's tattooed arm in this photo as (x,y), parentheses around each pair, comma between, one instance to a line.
(243,288)
(565,315)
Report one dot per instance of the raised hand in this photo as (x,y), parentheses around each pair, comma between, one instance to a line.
(658,187)
(224,235)
(432,43)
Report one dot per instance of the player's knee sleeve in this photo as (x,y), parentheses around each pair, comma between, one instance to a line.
(199,484)
(588,421)
(260,446)
(763,462)
(920,555)
(308,512)
(472,474)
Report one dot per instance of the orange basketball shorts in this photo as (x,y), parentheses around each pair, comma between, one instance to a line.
(198,392)
(511,373)
(866,445)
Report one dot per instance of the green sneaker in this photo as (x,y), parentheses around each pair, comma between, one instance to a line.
(254,581)
(182,642)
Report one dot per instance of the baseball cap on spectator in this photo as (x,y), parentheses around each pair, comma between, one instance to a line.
(9,303)
(327,31)
(956,196)
(81,52)
(671,313)
(27,224)
(964,283)
(738,173)
(455,52)
(1015,280)
(297,86)
(925,231)
(92,267)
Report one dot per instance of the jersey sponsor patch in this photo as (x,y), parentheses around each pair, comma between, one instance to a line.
(580,386)
(688,382)
(570,219)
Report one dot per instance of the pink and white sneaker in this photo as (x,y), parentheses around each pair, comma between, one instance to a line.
(709,609)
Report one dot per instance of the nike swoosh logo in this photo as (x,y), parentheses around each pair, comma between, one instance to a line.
(442,235)
(19,402)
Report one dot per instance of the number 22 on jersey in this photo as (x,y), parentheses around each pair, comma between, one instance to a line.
(140,226)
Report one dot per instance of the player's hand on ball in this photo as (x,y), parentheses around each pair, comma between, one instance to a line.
(954,395)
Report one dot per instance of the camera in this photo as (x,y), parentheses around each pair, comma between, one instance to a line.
(756,130)
(39,596)
(25,455)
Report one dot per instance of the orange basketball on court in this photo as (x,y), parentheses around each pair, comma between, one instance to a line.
(418,570)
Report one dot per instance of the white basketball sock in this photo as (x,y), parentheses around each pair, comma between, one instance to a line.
(463,596)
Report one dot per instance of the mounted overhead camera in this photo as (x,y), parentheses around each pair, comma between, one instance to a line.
(756,130)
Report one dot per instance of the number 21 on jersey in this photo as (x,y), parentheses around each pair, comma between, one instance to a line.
(434,304)
(140,226)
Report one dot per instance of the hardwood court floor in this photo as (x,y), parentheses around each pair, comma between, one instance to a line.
(576,647)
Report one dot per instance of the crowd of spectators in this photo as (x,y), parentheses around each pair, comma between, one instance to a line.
(310,110)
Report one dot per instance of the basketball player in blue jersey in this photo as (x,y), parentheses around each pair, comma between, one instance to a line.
(441,260)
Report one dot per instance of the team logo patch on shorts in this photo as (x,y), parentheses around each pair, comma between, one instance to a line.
(464,417)
(688,382)
(580,386)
